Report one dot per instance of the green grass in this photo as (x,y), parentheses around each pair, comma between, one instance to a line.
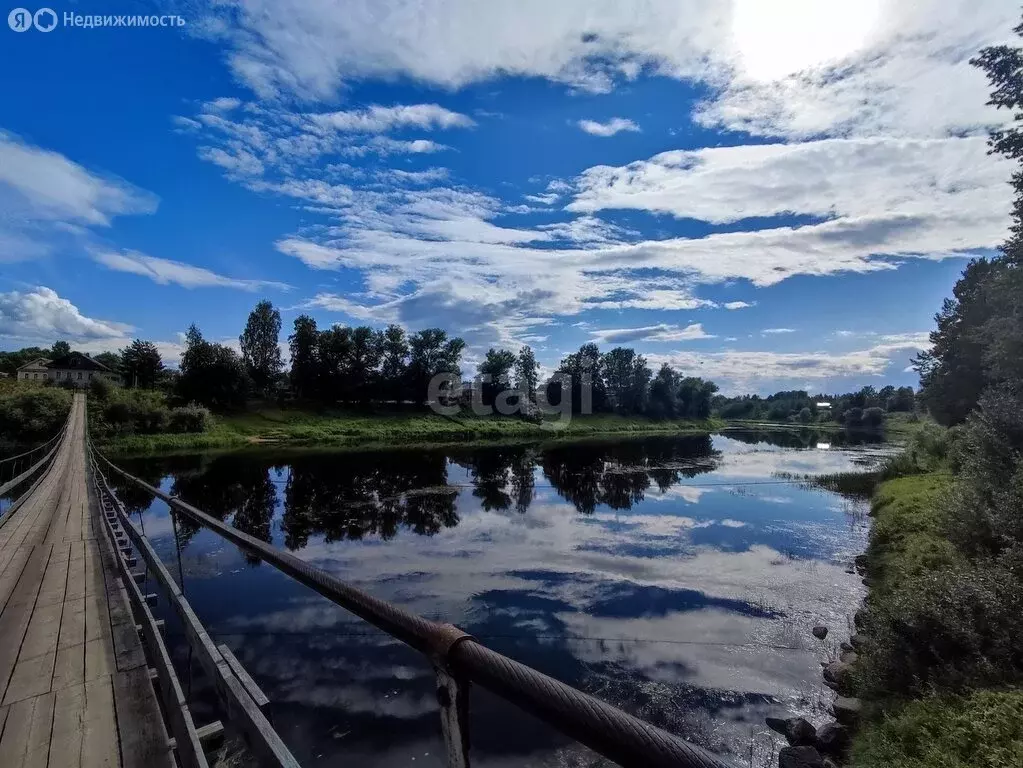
(338,428)
(909,536)
(981,730)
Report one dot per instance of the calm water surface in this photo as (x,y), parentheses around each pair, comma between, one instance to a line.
(676,577)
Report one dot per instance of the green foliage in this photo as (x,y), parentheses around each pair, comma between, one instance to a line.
(125,412)
(211,374)
(59,349)
(30,413)
(111,360)
(189,418)
(10,362)
(260,352)
(99,388)
(141,364)
(981,730)
(527,373)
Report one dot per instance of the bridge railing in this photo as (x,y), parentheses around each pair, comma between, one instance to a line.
(20,467)
(459,660)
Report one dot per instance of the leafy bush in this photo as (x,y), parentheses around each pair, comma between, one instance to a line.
(145,412)
(30,413)
(982,730)
(189,418)
(946,630)
(99,388)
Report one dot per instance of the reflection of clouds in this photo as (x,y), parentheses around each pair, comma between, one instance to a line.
(688,493)
(703,594)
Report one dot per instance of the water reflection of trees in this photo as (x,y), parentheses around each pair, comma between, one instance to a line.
(804,438)
(352,495)
(618,474)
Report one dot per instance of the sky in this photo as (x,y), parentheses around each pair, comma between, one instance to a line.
(772,195)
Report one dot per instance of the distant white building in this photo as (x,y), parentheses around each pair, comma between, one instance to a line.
(75,367)
(35,370)
(823,406)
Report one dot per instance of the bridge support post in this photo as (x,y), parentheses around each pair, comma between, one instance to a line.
(453,697)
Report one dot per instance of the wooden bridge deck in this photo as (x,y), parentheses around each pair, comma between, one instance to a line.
(74,684)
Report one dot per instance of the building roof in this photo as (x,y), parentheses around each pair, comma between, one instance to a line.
(39,362)
(77,361)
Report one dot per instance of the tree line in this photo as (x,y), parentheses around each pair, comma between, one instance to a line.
(866,407)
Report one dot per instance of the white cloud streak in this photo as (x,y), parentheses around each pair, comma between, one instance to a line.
(165,272)
(608,129)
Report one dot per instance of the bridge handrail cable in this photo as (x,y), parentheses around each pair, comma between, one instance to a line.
(459,660)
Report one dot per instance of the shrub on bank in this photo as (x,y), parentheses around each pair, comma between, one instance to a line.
(143,412)
(981,730)
(30,413)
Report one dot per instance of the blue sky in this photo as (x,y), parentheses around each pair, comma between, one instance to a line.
(769,198)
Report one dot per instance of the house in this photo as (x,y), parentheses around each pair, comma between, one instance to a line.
(75,367)
(823,406)
(80,369)
(35,370)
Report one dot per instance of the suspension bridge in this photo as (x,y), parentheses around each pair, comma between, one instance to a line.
(86,678)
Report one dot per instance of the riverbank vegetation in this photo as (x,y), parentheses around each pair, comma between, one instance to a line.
(941,663)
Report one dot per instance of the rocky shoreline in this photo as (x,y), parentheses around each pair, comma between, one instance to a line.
(826,746)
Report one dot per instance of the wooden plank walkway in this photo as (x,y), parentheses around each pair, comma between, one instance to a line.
(74,688)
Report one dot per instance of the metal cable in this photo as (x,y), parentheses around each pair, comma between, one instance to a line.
(609,731)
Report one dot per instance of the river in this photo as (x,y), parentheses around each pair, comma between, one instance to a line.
(676,577)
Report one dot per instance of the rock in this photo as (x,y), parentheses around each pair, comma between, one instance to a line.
(857,641)
(838,676)
(845,646)
(796,730)
(833,739)
(846,710)
(820,632)
(859,619)
(800,757)
(829,763)
(848,657)
(860,562)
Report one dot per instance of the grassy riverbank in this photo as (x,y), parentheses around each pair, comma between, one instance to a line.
(933,643)
(270,425)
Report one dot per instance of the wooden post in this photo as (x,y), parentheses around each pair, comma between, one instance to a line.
(453,697)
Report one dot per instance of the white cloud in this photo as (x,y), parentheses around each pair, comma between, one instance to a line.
(828,178)
(44,196)
(860,67)
(738,304)
(770,331)
(42,315)
(378,119)
(240,162)
(748,371)
(165,271)
(610,128)
(222,104)
(652,333)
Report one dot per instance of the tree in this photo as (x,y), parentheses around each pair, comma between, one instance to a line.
(211,374)
(663,401)
(432,352)
(587,390)
(626,378)
(60,349)
(10,362)
(394,364)
(527,374)
(305,361)
(111,360)
(259,343)
(805,417)
(141,364)
(496,365)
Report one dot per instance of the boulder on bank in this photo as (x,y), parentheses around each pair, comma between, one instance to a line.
(857,641)
(846,710)
(848,657)
(820,632)
(800,757)
(797,730)
(833,739)
(838,675)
